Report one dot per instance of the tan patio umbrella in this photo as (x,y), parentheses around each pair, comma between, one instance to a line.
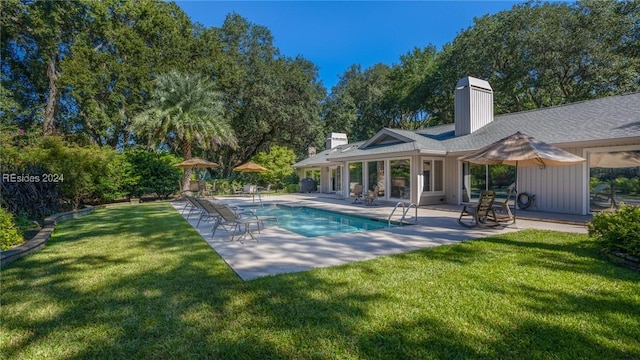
(521,150)
(196,163)
(193,163)
(250,167)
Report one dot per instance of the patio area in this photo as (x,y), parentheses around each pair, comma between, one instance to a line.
(280,251)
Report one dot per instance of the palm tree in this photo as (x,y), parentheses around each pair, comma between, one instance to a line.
(185,111)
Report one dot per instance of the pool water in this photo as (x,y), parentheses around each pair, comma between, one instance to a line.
(310,222)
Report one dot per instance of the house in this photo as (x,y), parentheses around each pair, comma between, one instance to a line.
(422,166)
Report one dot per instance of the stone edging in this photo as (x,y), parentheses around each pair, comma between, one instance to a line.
(628,261)
(41,238)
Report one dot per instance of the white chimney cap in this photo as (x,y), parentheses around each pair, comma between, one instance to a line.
(473,82)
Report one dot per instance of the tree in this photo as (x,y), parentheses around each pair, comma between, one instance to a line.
(408,99)
(544,54)
(278,161)
(270,99)
(36,39)
(185,111)
(111,65)
(357,102)
(85,67)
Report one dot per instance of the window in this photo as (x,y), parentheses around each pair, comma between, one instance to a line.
(375,171)
(313,174)
(336,178)
(355,174)
(400,170)
(477,178)
(433,175)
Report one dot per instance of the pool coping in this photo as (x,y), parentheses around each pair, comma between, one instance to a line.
(279,251)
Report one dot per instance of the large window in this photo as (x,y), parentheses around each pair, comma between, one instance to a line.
(313,174)
(477,178)
(614,179)
(355,174)
(400,178)
(375,170)
(336,179)
(433,175)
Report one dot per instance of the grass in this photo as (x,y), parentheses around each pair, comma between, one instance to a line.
(139,282)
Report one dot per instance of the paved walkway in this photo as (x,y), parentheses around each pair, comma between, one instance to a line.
(281,251)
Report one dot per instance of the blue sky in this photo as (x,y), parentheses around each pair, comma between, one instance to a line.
(334,35)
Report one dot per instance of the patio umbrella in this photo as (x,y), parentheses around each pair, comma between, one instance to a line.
(194,163)
(521,150)
(250,167)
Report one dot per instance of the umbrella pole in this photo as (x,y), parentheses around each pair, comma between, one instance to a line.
(515,199)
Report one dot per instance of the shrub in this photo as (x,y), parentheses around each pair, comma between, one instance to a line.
(292,188)
(10,235)
(278,161)
(222,186)
(618,231)
(36,199)
(83,174)
(152,173)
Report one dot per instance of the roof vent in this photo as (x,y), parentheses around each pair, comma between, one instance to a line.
(473,105)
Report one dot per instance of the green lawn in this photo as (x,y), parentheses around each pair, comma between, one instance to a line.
(138,282)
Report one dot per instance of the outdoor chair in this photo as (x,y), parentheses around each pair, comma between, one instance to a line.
(231,218)
(249,189)
(357,193)
(372,196)
(202,187)
(192,204)
(503,206)
(481,213)
(194,187)
(236,190)
(206,210)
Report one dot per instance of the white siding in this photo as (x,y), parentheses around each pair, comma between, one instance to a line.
(559,189)
(473,105)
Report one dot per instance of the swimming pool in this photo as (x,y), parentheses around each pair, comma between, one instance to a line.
(310,222)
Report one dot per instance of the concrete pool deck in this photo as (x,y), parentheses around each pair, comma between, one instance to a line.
(280,251)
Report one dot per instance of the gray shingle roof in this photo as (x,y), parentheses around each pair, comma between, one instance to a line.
(322,158)
(613,117)
(607,118)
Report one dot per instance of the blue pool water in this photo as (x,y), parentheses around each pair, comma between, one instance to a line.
(311,222)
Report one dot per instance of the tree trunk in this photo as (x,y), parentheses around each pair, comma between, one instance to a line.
(187,171)
(49,125)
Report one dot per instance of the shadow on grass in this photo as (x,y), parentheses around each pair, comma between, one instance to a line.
(139,282)
(556,251)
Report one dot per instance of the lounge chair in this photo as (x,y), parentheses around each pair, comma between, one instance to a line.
(372,196)
(192,204)
(505,214)
(482,213)
(229,217)
(206,210)
(357,193)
